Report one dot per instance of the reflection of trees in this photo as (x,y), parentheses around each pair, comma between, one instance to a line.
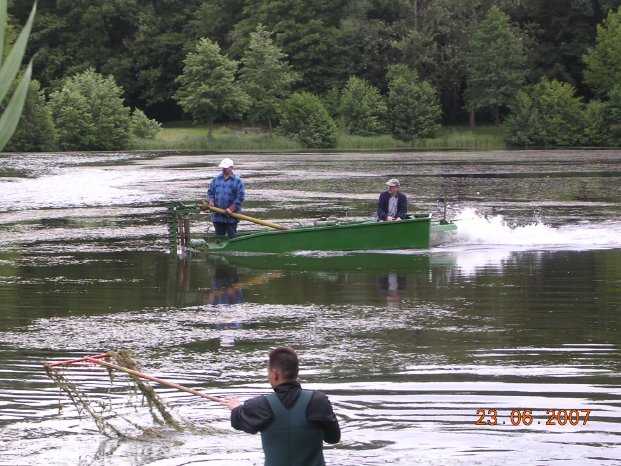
(546,296)
(551,297)
(11,308)
(75,283)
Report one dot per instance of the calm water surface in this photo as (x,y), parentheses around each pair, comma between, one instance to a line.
(418,350)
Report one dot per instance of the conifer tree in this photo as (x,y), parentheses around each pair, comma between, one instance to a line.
(266,77)
(495,65)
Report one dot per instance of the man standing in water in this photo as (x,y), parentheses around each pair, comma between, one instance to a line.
(293,422)
(392,204)
(226,191)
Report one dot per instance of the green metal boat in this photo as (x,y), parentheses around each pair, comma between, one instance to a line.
(324,235)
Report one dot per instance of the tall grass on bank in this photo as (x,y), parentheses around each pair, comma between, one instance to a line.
(189,137)
(452,137)
(185,136)
(461,137)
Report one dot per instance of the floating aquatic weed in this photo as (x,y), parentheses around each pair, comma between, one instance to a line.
(103,413)
(125,358)
(82,402)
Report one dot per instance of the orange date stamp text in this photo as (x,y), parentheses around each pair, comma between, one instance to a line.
(525,417)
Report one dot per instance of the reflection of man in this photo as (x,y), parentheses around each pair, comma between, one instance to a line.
(226,191)
(224,289)
(392,204)
(392,284)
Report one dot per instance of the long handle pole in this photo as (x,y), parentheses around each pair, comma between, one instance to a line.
(154,379)
(218,210)
(71,361)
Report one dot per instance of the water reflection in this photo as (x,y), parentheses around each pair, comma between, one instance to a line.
(225,288)
(392,285)
(511,334)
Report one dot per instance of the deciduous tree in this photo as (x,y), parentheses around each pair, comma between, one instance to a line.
(142,126)
(265,76)
(522,124)
(362,108)
(550,114)
(208,89)
(305,119)
(89,113)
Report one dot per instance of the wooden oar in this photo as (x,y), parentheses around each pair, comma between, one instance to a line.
(204,206)
(154,379)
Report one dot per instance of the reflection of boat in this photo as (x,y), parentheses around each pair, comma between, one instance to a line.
(325,235)
(350,262)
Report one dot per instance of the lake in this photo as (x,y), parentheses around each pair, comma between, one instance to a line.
(501,345)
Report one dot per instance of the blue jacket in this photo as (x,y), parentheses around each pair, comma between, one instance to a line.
(382,206)
(226,194)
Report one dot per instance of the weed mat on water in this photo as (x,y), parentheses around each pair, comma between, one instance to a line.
(108,407)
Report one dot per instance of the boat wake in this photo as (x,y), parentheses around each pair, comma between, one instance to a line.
(478,229)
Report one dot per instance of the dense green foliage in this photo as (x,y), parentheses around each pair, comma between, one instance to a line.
(305,119)
(89,113)
(603,70)
(597,130)
(549,113)
(309,33)
(523,122)
(473,55)
(266,77)
(362,108)
(494,66)
(36,131)
(143,43)
(413,107)
(614,105)
(141,126)
(208,88)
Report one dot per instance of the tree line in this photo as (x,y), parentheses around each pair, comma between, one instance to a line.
(398,66)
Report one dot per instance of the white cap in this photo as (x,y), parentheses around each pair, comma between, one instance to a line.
(393,182)
(226,163)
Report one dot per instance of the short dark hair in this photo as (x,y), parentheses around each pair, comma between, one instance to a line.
(286,361)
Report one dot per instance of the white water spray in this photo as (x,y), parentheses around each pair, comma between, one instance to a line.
(476,228)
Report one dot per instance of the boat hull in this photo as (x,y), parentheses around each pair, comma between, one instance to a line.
(370,235)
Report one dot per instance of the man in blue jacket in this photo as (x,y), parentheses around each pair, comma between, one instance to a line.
(226,191)
(392,204)
(293,422)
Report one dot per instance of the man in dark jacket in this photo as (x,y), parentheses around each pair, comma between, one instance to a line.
(293,422)
(392,204)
